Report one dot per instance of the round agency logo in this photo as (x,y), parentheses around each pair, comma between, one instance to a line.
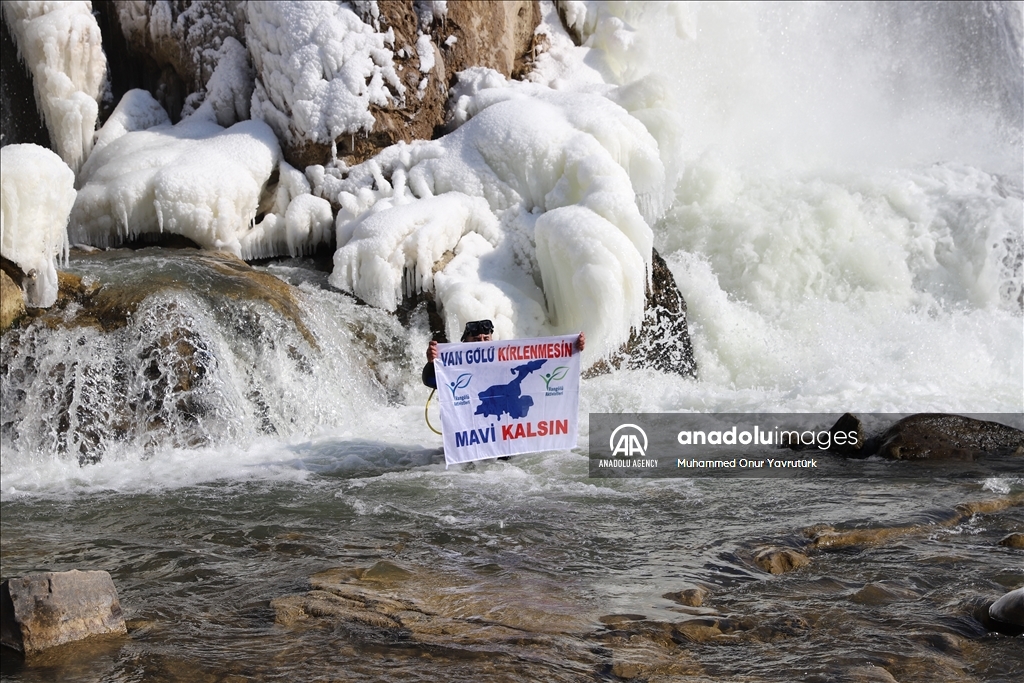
(628,440)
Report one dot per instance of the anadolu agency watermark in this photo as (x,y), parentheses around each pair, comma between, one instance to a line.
(754,445)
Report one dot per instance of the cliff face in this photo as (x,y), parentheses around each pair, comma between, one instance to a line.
(173,49)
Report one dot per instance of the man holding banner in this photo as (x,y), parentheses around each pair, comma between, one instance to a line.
(501,398)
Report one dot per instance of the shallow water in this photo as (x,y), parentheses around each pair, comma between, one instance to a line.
(516,563)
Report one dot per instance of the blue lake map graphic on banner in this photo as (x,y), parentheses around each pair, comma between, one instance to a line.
(508,397)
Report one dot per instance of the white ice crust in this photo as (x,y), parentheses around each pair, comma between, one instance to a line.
(38,190)
(319,68)
(535,212)
(201,40)
(538,198)
(61,45)
(195,179)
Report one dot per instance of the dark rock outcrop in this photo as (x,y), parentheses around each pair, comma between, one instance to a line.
(663,341)
(42,610)
(20,120)
(1007,613)
(937,436)
(848,424)
(927,436)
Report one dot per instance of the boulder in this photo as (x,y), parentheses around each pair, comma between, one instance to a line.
(1009,610)
(42,610)
(939,436)
(1015,540)
(12,301)
(1006,615)
(780,560)
(846,424)
(690,597)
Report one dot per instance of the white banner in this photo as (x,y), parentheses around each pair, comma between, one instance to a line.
(508,397)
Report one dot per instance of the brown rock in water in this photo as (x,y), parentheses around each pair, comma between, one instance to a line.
(42,610)
(110,305)
(419,604)
(939,436)
(12,301)
(691,597)
(780,560)
(1013,541)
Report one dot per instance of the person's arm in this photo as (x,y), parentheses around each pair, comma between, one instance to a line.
(428,376)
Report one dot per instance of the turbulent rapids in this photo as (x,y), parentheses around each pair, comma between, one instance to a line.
(229,419)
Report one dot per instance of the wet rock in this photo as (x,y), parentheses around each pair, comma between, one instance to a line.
(846,424)
(648,651)
(1015,540)
(699,630)
(1007,613)
(780,560)
(877,594)
(616,619)
(221,276)
(691,597)
(825,536)
(387,602)
(12,301)
(868,674)
(42,610)
(938,436)
(663,341)
(947,643)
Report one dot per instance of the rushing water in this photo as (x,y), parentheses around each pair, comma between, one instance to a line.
(846,230)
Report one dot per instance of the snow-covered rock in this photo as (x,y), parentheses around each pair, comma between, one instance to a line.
(537,195)
(319,68)
(195,41)
(38,191)
(196,179)
(61,45)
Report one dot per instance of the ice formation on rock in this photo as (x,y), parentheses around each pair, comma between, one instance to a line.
(60,42)
(195,179)
(537,195)
(319,68)
(201,42)
(38,190)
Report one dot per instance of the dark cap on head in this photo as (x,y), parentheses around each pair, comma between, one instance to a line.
(476,328)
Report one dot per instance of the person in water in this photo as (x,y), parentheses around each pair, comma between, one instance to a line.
(475,331)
